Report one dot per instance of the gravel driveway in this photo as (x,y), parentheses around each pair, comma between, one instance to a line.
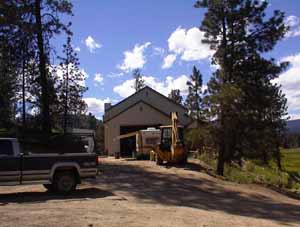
(139,193)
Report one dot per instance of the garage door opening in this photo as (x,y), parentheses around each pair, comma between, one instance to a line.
(128,145)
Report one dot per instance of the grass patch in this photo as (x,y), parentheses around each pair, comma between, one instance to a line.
(254,172)
(291,160)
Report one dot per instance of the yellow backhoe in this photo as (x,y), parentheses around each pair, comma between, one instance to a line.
(171,148)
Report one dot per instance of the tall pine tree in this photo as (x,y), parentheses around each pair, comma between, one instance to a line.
(47,24)
(71,86)
(193,100)
(242,99)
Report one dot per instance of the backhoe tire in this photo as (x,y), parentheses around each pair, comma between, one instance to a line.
(184,160)
(159,161)
(65,182)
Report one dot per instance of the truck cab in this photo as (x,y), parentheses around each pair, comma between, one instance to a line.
(10,172)
(57,172)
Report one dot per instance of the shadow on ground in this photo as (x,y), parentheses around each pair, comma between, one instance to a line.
(41,197)
(200,193)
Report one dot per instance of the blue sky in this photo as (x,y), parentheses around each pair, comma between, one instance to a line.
(161,38)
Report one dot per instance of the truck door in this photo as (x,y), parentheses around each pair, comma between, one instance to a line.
(9,164)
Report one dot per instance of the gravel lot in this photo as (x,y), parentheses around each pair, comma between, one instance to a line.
(139,193)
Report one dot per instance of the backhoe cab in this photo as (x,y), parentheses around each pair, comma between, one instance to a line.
(171,148)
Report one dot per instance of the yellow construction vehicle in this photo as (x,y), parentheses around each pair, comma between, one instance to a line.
(171,148)
(146,140)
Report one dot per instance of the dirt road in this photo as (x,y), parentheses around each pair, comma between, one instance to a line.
(138,193)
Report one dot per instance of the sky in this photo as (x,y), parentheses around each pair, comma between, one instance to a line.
(162,39)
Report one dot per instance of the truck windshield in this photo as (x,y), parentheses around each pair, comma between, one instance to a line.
(6,148)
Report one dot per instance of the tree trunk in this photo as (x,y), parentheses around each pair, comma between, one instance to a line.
(46,124)
(223,142)
(265,156)
(66,98)
(221,160)
(23,96)
(278,158)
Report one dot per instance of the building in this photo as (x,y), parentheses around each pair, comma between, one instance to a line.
(144,109)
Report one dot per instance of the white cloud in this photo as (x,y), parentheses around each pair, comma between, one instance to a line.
(115,75)
(164,87)
(125,89)
(99,80)
(290,82)
(294,23)
(135,58)
(158,51)
(77,49)
(188,44)
(96,106)
(91,44)
(168,61)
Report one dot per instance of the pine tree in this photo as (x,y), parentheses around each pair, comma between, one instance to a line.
(71,87)
(7,84)
(44,31)
(139,82)
(193,100)
(26,28)
(242,98)
(175,96)
(11,57)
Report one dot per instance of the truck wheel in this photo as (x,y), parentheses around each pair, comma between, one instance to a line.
(65,182)
(49,187)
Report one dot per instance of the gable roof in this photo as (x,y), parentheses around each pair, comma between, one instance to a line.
(138,102)
(152,90)
(139,96)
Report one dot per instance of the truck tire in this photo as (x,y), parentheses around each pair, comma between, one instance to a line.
(65,182)
(49,187)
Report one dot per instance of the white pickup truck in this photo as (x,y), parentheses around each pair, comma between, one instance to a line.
(57,172)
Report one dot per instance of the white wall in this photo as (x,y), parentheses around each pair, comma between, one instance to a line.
(140,114)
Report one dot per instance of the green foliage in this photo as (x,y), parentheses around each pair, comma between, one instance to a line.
(252,172)
(26,75)
(247,107)
(175,96)
(70,88)
(292,140)
(209,158)
(200,138)
(193,100)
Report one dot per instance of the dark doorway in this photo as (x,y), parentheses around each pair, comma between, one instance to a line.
(128,145)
